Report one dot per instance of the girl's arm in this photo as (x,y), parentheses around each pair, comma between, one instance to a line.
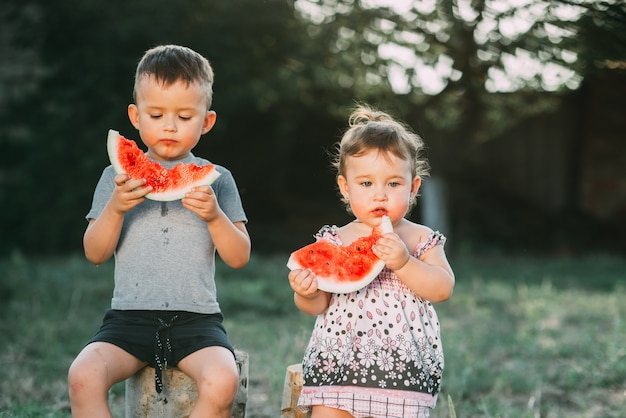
(313,305)
(429,277)
(307,297)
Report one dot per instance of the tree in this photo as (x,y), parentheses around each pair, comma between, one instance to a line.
(465,72)
(54,131)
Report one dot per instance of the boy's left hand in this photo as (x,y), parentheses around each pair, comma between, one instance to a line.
(201,201)
(392,250)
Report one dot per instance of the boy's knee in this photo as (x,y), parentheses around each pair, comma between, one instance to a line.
(221,387)
(83,378)
(77,380)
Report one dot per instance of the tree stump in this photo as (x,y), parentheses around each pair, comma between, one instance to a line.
(180,390)
(291,393)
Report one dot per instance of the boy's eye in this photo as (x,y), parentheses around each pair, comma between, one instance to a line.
(184,117)
(394,184)
(366,183)
(155,116)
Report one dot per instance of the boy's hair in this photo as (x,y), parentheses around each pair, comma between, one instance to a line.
(171,63)
(371,129)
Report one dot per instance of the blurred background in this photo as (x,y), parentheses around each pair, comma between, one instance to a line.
(521,103)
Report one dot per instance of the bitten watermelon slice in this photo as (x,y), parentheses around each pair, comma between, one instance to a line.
(167,184)
(342,269)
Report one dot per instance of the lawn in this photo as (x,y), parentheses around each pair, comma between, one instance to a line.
(522,337)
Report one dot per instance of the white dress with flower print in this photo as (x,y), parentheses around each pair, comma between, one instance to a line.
(375,352)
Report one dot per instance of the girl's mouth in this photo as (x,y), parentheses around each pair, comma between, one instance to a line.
(380,211)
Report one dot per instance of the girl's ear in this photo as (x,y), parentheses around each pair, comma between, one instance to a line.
(133,115)
(209,121)
(343,186)
(415,186)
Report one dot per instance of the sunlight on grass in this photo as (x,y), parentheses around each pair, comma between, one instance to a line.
(522,338)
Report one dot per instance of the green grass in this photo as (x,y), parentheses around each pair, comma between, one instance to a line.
(522,337)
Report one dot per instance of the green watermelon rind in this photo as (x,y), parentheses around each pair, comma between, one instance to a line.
(164,196)
(335,284)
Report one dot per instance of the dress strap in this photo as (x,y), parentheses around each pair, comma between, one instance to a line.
(329,233)
(436,238)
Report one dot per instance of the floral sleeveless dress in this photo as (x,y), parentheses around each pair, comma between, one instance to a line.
(375,352)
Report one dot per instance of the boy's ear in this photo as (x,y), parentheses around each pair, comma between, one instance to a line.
(133,115)
(209,121)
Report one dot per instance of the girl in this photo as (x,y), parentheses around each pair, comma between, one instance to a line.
(377,352)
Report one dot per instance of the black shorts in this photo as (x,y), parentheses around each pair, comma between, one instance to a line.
(156,336)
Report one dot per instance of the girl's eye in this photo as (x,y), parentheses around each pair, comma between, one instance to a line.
(184,117)
(366,183)
(155,116)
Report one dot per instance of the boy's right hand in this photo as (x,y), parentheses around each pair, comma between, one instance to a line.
(128,193)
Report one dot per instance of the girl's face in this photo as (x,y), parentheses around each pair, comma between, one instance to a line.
(378,183)
(170,119)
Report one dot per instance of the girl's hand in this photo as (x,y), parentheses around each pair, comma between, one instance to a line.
(392,250)
(303,282)
(201,200)
(128,193)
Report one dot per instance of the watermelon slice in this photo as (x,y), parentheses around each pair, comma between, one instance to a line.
(342,269)
(167,184)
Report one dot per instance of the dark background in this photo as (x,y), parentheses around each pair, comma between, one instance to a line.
(529,171)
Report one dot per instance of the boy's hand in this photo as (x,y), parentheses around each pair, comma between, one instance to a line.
(303,282)
(392,250)
(201,201)
(128,193)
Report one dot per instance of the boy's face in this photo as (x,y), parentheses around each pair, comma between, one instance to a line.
(170,119)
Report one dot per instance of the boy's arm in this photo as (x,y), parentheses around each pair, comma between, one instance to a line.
(103,233)
(102,236)
(231,240)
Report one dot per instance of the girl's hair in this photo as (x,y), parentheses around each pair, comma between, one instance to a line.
(169,64)
(371,129)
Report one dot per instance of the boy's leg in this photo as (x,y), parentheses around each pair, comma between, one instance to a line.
(96,368)
(215,372)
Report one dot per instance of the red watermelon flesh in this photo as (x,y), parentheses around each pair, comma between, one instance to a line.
(342,269)
(167,184)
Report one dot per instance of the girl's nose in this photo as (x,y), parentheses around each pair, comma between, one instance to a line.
(380,195)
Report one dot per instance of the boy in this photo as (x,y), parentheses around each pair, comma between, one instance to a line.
(164,309)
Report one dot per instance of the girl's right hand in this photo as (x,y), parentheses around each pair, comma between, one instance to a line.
(128,193)
(303,282)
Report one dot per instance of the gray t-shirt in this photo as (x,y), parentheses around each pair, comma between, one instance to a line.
(165,258)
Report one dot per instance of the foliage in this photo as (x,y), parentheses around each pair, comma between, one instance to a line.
(283,86)
(265,95)
(522,337)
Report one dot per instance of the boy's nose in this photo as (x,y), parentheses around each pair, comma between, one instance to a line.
(170,124)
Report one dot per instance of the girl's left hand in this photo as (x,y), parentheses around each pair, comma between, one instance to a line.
(392,250)
(201,201)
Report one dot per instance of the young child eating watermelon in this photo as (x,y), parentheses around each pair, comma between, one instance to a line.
(164,310)
(376,351)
